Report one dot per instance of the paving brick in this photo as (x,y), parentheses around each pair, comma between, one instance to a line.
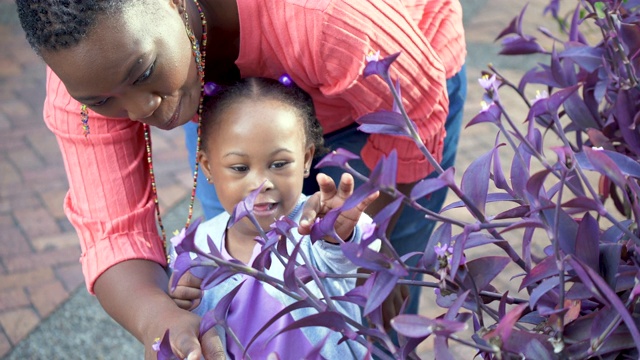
(169,196)
(34,261)
(25,158)
(26,278)
(45,144)
(47,297)
(13,298)
(10,175)
(37,222)
(54,200)
(70,275)
(12,242)
(54,242)
(17,324)
(5,345)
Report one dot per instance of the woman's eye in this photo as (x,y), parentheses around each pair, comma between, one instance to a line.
(146,74)
(99,103)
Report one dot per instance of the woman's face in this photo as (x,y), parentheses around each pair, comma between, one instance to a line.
(135,64)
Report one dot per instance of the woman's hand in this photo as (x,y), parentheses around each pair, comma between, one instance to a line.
(330,197)
(133,292)
(184,337)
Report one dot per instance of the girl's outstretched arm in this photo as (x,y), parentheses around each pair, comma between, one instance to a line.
(330,197)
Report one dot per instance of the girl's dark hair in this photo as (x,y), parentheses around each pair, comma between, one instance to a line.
(52,25)
(257,88)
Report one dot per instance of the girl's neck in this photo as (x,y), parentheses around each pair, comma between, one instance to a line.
(240,245)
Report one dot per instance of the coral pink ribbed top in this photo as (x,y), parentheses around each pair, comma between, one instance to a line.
(321,44)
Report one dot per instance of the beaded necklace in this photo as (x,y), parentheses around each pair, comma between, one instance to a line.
(199,54)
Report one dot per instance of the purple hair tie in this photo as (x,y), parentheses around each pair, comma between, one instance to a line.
(285,80)
(210,88)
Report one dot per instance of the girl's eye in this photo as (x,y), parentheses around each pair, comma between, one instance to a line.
(279,164)
(145,75)
(240,168)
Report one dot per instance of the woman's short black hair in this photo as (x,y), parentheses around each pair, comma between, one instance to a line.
(258,88)
(51,25)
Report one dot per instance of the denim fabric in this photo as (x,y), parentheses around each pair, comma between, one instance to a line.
(412,231)
(205,192)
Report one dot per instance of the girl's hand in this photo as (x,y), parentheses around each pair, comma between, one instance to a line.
(330,197)
(187,294)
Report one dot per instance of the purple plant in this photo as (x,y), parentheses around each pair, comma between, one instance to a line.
(577,297)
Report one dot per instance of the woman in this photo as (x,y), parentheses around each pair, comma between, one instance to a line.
(112,61)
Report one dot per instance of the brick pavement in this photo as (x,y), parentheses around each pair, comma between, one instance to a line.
(39,250)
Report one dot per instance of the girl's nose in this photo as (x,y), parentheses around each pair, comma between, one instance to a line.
(141,106)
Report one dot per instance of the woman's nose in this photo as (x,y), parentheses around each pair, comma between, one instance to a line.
(141,106)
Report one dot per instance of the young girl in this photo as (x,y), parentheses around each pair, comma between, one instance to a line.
(262,133)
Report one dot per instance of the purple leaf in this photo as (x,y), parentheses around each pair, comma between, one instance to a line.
(383,284)
(380,67)
(413,326)
(287,310)
(338,158)
(604,165)
(587,242)
(586,274)
(579,113)
(546,268)
(428,186)
(518,45)
(584,203)
(515,26)
(164,348)
(384,122)
(366,258)
(551,104)
(325,226)
(219,313)
(475,180)
(328,319)
(485,269)
(535,184)
(626,164)
(505,325)
(498,176)
(185,241)
(520,171)
(383,177)
(216,277)
(289,276)
(453,310)
(587,57)
(544,287)
(245,207)
(381,221)
(625,108)
(489,114)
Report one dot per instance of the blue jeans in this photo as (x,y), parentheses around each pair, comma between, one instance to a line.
(412,230)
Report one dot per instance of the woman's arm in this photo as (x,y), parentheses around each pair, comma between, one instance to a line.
(133,293)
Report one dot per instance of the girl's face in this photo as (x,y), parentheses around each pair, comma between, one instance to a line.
(253,142)
(136,64)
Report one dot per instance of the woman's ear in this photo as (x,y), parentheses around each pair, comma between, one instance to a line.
(308,159)
(202,159)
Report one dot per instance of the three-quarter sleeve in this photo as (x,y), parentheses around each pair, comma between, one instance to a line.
(110,200)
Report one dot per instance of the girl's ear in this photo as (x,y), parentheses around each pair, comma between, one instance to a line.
(202,159)
(308,158)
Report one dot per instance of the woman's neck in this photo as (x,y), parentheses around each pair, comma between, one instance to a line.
(223,38)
